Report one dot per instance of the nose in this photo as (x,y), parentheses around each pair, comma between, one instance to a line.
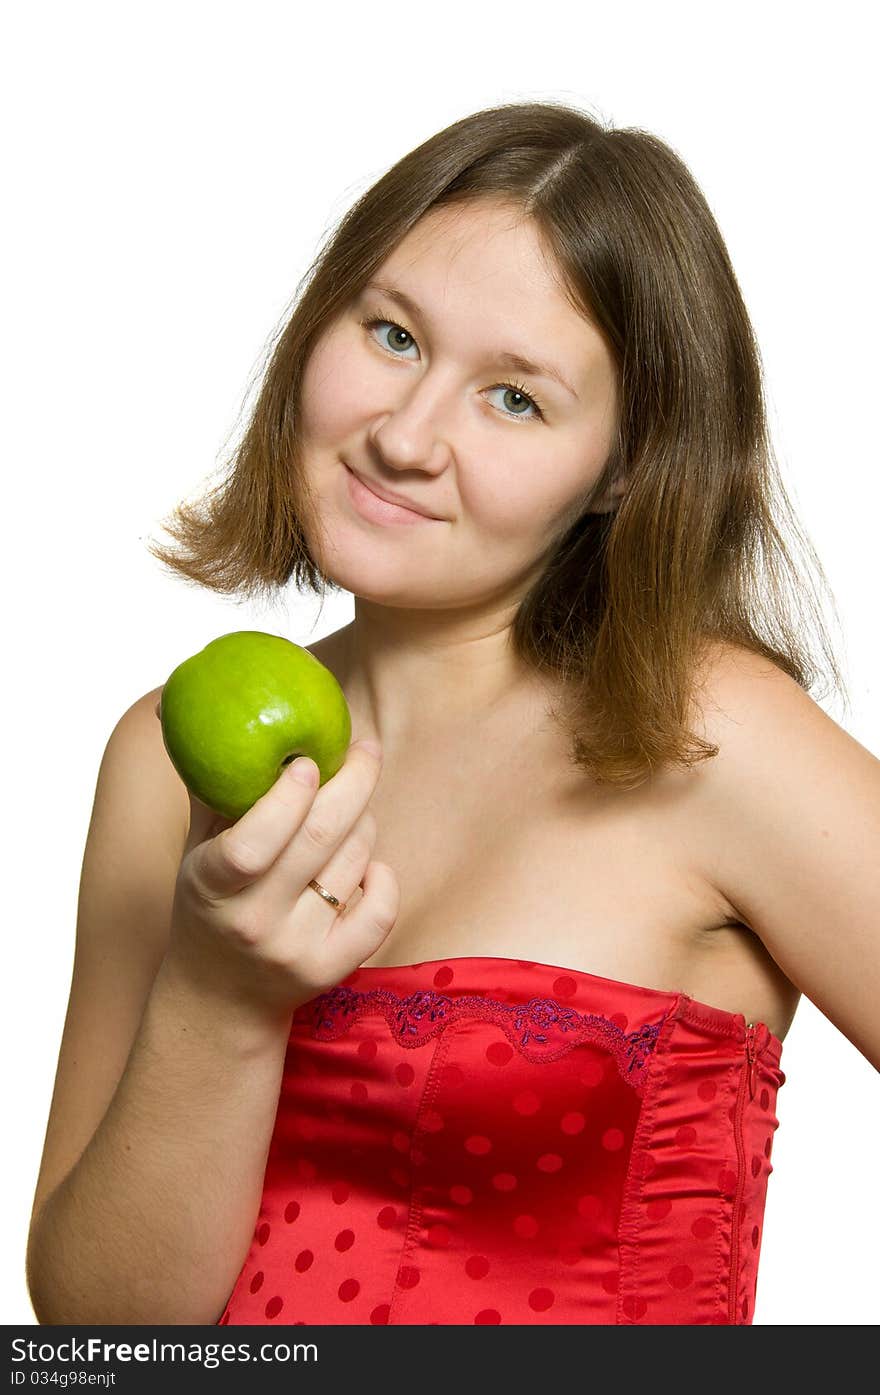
(410,438)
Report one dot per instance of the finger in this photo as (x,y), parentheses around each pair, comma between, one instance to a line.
(244,851)
(359,932)
(327,824)
(342,875)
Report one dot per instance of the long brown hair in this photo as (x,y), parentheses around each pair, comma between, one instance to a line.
(629,601)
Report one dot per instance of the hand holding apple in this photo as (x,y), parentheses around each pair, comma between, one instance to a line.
(248,932)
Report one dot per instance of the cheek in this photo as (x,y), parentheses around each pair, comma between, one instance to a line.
(521,499)
(331,398)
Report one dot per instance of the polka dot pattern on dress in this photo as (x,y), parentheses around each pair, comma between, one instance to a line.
(487,1317)
(478,1143)
(527,1102)
(540,1299)
(613,1139)
(589,1207)
(572,1122)
(526,1227)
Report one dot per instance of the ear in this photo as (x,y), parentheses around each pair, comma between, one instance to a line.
(611,496)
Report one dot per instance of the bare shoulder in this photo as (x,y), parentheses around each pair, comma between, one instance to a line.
(733,680)
(788,825)
(136,748)
(768,730)
(763,722)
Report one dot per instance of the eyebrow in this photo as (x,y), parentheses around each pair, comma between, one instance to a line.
(506,357)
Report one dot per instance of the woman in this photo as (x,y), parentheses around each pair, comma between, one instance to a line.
(487,1029)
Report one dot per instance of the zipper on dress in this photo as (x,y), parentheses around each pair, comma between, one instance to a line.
(751,1056)
(749,1069)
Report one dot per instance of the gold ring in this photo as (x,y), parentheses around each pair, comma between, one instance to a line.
(327,895)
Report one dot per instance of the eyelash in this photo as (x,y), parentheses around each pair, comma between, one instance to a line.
(382,318)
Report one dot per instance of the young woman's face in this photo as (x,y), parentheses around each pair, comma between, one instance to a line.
(422,404)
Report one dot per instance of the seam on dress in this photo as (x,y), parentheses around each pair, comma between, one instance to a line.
(417,1207)
(691,1013)
(631,1209)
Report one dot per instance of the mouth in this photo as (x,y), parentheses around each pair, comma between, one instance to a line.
(376,509)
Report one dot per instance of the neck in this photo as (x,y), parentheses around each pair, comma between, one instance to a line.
(416,676)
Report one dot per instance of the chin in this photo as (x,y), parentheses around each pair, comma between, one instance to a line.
(370,574)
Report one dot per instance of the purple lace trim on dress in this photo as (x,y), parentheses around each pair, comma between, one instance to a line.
(541,1029)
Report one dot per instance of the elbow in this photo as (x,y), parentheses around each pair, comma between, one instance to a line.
(36,1280)
(50,1297)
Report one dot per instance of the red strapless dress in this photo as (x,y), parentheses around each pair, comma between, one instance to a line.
(489,1140)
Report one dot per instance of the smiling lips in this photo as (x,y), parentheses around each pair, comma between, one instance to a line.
(379,509)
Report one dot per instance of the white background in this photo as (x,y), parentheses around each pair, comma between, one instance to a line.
(169,172)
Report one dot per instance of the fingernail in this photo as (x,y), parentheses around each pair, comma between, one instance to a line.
(372,746)
(306,771)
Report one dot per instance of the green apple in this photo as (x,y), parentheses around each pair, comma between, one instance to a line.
(234,714)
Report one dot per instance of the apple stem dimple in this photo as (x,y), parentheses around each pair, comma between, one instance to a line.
(293,755)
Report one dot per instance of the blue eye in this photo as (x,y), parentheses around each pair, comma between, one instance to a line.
(517,389)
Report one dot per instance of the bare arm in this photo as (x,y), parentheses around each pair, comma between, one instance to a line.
(153,1223)
(185,979)
(790,815)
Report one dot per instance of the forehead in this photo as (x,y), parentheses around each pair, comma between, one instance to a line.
(487,261)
